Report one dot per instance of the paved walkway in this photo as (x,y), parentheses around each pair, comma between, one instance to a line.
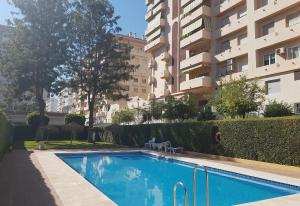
(21,182)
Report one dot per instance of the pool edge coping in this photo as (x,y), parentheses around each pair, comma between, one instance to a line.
(195,160)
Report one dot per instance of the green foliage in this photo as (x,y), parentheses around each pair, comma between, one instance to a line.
(36,49)
(236,98)
(124,116)
(275,140)
(278,109)
(76,118)
(5,134)
(173,109)
(100,61)
(34,120)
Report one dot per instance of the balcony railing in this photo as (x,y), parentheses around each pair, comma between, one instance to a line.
(204,81)
(202,58)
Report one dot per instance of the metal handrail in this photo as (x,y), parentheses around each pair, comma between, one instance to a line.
(195,185)
(186,201)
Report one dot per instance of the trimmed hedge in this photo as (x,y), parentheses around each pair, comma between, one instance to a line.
(24,132)
(76,118)
(5,135)
(275,140)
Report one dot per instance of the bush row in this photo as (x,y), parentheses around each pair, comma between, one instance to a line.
(24,132)
(275,140)
(5,134)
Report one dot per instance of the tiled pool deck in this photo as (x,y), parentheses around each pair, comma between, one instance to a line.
(70,189)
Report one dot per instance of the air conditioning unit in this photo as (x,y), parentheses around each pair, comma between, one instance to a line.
(280,51)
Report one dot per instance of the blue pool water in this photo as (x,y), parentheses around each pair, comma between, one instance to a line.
(138,179)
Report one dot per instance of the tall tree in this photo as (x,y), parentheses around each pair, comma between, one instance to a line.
(99,61)
(36,48)
(239,97)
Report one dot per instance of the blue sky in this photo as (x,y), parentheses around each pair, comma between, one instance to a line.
(132,14)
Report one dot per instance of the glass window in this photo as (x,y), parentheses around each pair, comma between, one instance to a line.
(136,80)
(242,39)
(144,81)
(269,59)
(135,89)
(268,28)
(225,45)
(144,90)
(273,87)
(242,12)
(243,66)
(293,19)
(294,52)
(261,3)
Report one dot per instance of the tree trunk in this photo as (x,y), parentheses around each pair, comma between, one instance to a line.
(42,106)
(91,103)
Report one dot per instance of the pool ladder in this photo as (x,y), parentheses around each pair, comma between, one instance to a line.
(194,188)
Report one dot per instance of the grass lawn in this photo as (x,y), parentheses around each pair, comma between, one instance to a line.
(62,145)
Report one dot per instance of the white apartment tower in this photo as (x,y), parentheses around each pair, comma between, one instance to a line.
(196,44)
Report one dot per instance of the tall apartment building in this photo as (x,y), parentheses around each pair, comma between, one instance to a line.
(196,44)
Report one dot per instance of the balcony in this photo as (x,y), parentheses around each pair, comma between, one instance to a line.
(155,44)
(200,82)
(153,11)
(165,56)
(203,10)
(166,74)
(226,5)
(184,2)
(147,2)
(151,80)
(202,35)
(278,36)
(235,25)
(202,58)
(273,7)
(153,26)
(151,63)
(233,52)
(277,68)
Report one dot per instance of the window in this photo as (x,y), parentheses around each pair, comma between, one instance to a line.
(269,59)
(242,39)
(297,75)
(144,90)
(273,87)
(225,45)
(225,21)
(135,89)
(297,108)
(293,19)
(136,80)
(243,66)
(268,28)
(261,3)
(144,81)
(294,52)
(242,12)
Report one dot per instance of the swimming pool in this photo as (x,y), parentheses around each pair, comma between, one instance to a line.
(140,179)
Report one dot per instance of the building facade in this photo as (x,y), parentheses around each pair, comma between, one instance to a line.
(197,44)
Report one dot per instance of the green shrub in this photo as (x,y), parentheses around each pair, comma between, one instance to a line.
(278,109)
(124,116)
(76,118)
(275,140)
(34,120)
(5,134)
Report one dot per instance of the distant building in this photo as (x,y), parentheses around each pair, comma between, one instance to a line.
(138,88)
